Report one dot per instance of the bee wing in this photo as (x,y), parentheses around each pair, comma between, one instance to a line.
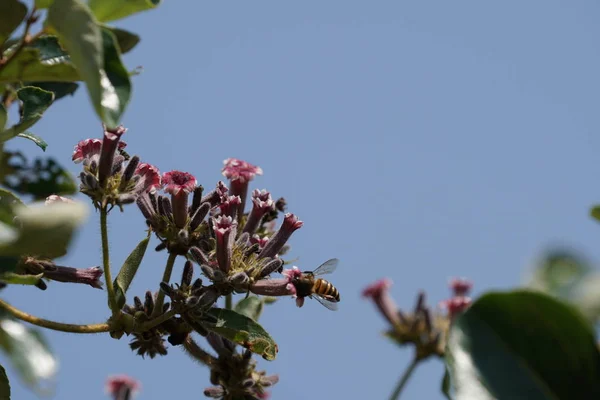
(327,267)
(332,305)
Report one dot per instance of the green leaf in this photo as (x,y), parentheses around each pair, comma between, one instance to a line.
(28,352)
(595,212)
(8,200)
(558,273)
(46,230)
(251,307)
(3,117)
(4,384)
(523,345)
(12,13)
(446,384)
(125,39)
(244,331)
(35,139)
(43,3)
(35,102)
(128,271)
(40,178)
(43,60)
(60,89)
(93,51)
(110,10)
(12,278)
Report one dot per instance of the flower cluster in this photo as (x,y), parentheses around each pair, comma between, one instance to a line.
(424,329)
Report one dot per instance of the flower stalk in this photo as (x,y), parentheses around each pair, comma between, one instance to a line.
(404,379)
(110,289)
(160,298)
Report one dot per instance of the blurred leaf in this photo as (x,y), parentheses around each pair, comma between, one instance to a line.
(28,352)
(12,13)
(8,200)
(4,385)
(595,212)
(60,89)
(40,179)
(35,139)
(35,102)
(8,264)
(93,51)
(243,331)
(110,10)
(446,384)
(523,345)
(3,117)
(251,307)
(43,3)
(17,279)
(126,40)
(558,273)
(128,271)
(46,230)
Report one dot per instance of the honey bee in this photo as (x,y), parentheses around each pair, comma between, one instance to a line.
(308,285)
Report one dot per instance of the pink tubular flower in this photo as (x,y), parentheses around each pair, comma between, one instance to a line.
(225,229)
(122,387)
(110,144)
(379,293)
(290,224)
(261,204)
(273,287)
(179,185)
(52,199)
(88,276)
(262,242)
(460,286)
(149,179)
(240,173)
(87,149)
(456,305)
(229,205)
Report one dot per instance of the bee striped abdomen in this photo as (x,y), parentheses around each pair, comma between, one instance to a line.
(326,289)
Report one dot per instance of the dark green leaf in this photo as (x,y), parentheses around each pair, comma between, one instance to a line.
(27,351)
(4,385)
(35,102)
(12,13)
(35,139)
(8,264)
(523,345)
(446,384)
(595,212)
(17,279)
(46,231)
(126,40)
(60,89)
(243,331)
(110,10)
(43,3)
(41,178)
(93,51)
(251,307)
(3,117)
(128,271)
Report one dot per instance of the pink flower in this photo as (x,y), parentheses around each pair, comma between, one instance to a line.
(379,293)
(87,149)
(456,305)
(262,242)
(177,181)
(238,170)
(120,386)
(179,185)
(229,205)
(262,203)
(290,224)
(57,199)
(460,286)
(149,177)
(110,144)
(225,230)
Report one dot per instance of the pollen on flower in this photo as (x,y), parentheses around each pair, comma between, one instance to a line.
(238,170)
(176,181)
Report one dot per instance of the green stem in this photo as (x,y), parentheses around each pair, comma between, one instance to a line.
(106,261)
(404,379)
(57,326)
(160,299)
(197,352)
(156,321)
(229,301)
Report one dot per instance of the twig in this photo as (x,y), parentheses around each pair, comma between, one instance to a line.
(404,378)
(197,352)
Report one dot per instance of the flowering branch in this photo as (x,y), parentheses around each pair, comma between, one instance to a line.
(57,326)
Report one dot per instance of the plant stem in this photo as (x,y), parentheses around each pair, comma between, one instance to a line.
(197,352)
(106,262)
(57,326)
(160,299)
(156,321)
(404,379)
(229,301)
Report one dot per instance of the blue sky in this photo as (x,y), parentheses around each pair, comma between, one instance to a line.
(416,140)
